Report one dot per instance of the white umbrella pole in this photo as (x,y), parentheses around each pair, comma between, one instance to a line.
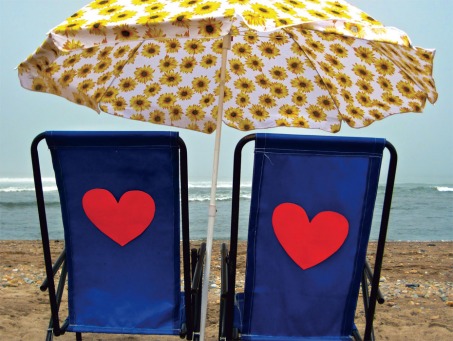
(212,205)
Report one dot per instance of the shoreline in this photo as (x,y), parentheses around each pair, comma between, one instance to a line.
(416,280)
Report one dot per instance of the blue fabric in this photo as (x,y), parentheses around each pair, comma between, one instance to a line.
(120,289)
(319,174)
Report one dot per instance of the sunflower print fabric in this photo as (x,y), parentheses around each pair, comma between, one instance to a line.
(311,64)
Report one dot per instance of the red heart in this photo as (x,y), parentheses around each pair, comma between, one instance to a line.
(122,221)
(309,243)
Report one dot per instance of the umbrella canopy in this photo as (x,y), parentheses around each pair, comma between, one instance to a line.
(251,64)
(311,64)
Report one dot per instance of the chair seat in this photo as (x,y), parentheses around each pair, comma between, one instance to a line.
(238,314)
(135,330)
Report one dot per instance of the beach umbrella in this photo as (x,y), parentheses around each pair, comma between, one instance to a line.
(250,64)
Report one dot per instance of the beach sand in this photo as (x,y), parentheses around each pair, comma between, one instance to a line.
(417,281)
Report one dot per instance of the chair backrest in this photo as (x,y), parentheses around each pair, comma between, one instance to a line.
(120,201)
(310,219)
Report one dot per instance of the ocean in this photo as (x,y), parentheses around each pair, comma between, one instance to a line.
(420,212)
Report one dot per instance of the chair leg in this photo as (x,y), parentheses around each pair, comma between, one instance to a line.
(58,295)
(78,336)
(221,317)
(197,285)
(367,276)
(49,335)
(356,335)
(223,290)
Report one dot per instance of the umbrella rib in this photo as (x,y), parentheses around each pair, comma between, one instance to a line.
(422,86)
(290,34)
(131,55)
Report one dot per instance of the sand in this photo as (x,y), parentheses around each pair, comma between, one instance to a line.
(417,281)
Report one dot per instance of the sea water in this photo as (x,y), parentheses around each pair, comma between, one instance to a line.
(420,212)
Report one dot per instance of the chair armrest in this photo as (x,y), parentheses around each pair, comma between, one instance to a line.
(224,270)
(223,290)
(198,271)
(45,284)
(198,257)
(369,273)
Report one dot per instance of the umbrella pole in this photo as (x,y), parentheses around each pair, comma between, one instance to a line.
(212,205)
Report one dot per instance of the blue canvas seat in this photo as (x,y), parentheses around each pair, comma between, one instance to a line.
(310,218)
(124,202)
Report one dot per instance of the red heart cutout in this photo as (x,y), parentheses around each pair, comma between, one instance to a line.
(309,243)
(122,221)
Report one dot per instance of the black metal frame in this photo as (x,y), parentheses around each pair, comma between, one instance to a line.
(228,267)
(193,260)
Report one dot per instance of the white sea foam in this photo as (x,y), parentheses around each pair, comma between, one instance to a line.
(15,180)
(24,180)
(26,184)
(220,184)
(16,189)
(444,189)
(224,197)
(27,189)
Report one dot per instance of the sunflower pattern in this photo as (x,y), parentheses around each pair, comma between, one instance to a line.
(311,64)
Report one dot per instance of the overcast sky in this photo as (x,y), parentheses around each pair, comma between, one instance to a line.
(424,141)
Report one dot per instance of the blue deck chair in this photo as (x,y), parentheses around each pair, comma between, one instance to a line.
(124,202)
(310,219)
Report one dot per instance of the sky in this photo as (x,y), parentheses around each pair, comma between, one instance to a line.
(424,141)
